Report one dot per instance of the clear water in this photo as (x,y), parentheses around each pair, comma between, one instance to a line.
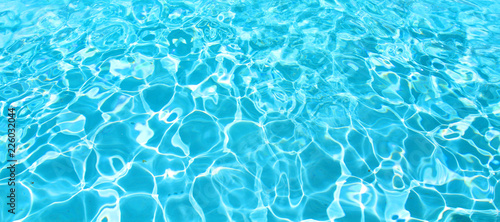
(264,110)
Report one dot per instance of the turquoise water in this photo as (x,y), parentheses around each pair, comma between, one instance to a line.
(234,110)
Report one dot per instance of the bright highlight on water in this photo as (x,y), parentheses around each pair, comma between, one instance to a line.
(250,110)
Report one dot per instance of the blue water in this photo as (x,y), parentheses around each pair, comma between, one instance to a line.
(263,110)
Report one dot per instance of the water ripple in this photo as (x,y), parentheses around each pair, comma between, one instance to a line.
(253,110)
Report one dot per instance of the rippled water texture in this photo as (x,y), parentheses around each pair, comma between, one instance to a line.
(264,110)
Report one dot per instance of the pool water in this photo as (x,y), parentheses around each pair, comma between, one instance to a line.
(252,110)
